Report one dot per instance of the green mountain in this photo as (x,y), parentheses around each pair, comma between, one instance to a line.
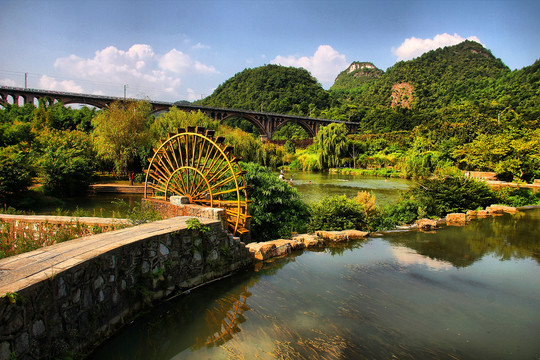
(356,75)
(462,84)
(271,88)
(464,72)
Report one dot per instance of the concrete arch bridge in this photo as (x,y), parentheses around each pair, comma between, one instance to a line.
(266,123)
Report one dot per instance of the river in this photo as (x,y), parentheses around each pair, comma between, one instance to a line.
(458,293)
(311,186)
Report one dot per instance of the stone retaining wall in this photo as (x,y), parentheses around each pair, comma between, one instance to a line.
(38,224)
(69,297)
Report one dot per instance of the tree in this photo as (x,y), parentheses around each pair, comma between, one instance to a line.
(15,171)
(66,162)
(121,132)
(175,119)
(332,144)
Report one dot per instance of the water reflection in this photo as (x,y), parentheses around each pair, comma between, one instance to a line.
(313,186)
(506,237)
(451,294)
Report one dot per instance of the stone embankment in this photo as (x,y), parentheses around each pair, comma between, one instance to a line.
(461,219)
(274,248)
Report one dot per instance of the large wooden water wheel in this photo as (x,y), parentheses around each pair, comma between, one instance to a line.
(193,163)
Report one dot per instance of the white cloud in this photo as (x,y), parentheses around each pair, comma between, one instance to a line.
(146,72)
(8,82)
(49,83)
(414,47)
(408,256)
(325,64)
(199,46)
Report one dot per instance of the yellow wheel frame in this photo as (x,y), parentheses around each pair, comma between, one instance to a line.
(192,163)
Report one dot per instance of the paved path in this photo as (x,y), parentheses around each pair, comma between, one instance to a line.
(117,188)
(23,270)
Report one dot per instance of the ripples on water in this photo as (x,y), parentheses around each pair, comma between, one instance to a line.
(459,293)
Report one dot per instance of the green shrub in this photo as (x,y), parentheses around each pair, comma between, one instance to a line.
(276,207)
(66,162)
(517,197)
(337,213)
(404,212)
(15,172)
(441,196)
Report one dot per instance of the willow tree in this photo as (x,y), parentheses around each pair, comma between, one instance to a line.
(121,133)
(332,145)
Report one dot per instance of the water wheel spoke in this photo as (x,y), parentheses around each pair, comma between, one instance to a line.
(193,163)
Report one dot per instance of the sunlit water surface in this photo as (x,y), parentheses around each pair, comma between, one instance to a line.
(459,293)
(311,186)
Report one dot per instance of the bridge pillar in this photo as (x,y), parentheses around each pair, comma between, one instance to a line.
(264,138)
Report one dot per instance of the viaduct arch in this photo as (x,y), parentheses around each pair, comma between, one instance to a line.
(266,123)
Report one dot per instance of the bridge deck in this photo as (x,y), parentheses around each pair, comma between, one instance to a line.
(20,271)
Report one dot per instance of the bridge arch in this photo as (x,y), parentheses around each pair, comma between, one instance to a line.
(95,104)
(309,129)
(252,119)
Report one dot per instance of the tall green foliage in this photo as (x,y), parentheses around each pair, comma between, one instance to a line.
(331,144)
(66,162)
(120,133)
(15,171)
(175,119)
(337,213)
(276,207)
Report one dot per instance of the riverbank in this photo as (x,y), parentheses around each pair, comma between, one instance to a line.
(267,250)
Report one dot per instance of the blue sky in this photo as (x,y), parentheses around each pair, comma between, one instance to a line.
(173,50)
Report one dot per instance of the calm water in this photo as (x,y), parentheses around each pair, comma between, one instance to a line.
(101,205)
(459,293)
(385,191)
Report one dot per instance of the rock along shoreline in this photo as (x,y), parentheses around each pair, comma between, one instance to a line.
(262,251)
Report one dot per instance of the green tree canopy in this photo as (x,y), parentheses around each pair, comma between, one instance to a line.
(271,88)
(66,162)
(121,133)
(332,144)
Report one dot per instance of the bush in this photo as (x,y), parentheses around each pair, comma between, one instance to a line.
(276,207)
(441,196)
(337,213)
(15,172)
(517,197)
(404,212)
(66,162)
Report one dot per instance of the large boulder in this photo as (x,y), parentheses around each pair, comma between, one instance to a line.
(262,250)
(270,249)
(456,219)
(426,224)
(500,209)
(294,244)
(309,240)
(344,235)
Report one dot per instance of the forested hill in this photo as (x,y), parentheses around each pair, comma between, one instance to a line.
(460,83)
(356,75)
(466,71)
(271,88)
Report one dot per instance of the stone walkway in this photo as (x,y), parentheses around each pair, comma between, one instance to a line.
(23,270)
